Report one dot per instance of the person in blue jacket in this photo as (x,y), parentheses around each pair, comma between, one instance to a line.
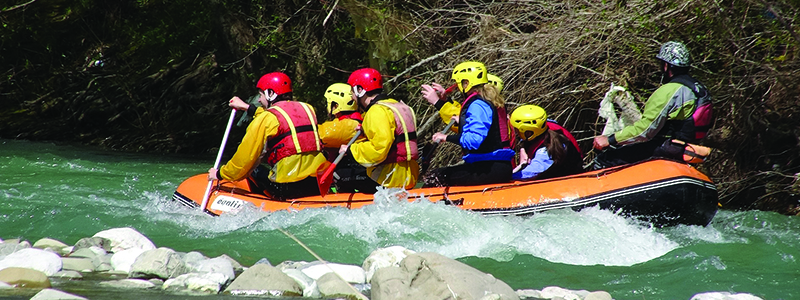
(547,149)
(484,134)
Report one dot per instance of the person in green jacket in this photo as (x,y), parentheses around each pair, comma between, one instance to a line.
(678,110)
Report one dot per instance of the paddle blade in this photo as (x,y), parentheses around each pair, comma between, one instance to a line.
(325,177)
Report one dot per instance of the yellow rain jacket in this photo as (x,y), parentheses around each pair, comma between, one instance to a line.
(448,110)
(337,132)
(379,129)
(292,168)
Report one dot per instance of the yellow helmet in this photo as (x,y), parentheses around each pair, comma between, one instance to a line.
(339,98)
(496,81)
(473,71)
(530,120)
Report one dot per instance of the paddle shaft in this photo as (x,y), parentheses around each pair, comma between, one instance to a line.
(324,181)
(219,157)
(426,158)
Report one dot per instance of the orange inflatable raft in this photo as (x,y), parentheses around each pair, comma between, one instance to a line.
(659,191)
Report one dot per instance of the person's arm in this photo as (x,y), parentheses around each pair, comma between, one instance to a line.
(244,160)
(538,164)
(655,115)
(379,127)
(475,127)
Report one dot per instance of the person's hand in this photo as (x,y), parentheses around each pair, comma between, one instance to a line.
(430,94)
(439,137)
(342,148)
(212,174)
(238,103)
(523,157)
(358,127)
(600,142)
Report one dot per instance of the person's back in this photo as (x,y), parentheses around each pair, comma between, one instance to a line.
(679,109)
(390,150)
(284,137)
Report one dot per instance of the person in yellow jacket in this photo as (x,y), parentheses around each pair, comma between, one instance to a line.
(283,136)
(390,149)
(344,124)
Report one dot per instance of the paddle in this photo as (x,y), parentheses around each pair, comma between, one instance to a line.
(430,149)
(219,157)
(325,178)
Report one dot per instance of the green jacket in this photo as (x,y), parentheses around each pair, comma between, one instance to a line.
(672,101)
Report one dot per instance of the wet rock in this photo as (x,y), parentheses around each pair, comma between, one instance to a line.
(7,247)
(51,294)
(433,276)
(261,279)
(68,274)
(216,265)
(126,238)
(89,242)
(162,263)
(52,244)
(209,283)
(331,286)
(384,257)
(47,262)
(128,284)
(80,264)
(24,278)
(308,284)
(193,257)
(551,292)
(350,273)
(237,267)
(123,260)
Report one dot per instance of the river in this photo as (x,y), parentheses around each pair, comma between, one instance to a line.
(70,192)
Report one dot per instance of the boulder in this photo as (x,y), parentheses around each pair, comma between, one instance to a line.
(330,286)
(161,263)
(262,279)
(598,295)
(24,278)
(46,243)
(308,284)
(554,291)
(384,257)
(218,265)
(126,238)
(51,294)
(47,262)
(123,260)
(89,242)
(433,276)
(350,273)
(237,267)
(67,275)
(80,264)
(7,247)
(128,284)
(200,282)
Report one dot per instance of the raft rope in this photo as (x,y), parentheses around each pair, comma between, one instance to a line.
(324,262)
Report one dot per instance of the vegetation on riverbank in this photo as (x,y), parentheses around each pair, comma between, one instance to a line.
(155,75)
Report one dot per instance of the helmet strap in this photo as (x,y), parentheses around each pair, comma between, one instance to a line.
(359,91)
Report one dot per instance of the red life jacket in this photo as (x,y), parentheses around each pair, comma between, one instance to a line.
(404,147)
(353,116)
(297,131)
(538,142)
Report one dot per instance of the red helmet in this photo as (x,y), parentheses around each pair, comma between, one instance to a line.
(368,78)
(276,81)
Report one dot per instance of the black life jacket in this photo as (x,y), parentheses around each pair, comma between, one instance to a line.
(696,127)
(499,136)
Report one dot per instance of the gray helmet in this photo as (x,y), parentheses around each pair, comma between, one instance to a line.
(674,53)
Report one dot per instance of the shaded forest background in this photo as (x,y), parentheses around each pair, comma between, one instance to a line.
(155,75)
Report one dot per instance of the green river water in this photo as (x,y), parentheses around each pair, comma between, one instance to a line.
(67,193)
